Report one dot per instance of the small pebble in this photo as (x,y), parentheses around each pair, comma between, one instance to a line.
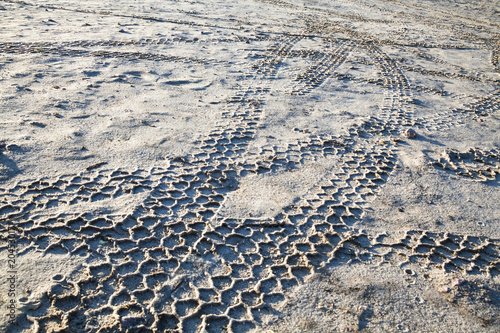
(458,282)
(444,289)
(410,134)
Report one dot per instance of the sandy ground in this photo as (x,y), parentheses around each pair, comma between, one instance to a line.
(265,166)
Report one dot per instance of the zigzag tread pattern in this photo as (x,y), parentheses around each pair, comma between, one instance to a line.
(173,264)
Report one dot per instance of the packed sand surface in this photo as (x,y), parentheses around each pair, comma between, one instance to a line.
(249,166)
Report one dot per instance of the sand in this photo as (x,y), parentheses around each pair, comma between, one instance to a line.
(260,166)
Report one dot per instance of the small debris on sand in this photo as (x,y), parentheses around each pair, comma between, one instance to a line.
(444,289)
(95,166)
(458,282)
(410,133)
